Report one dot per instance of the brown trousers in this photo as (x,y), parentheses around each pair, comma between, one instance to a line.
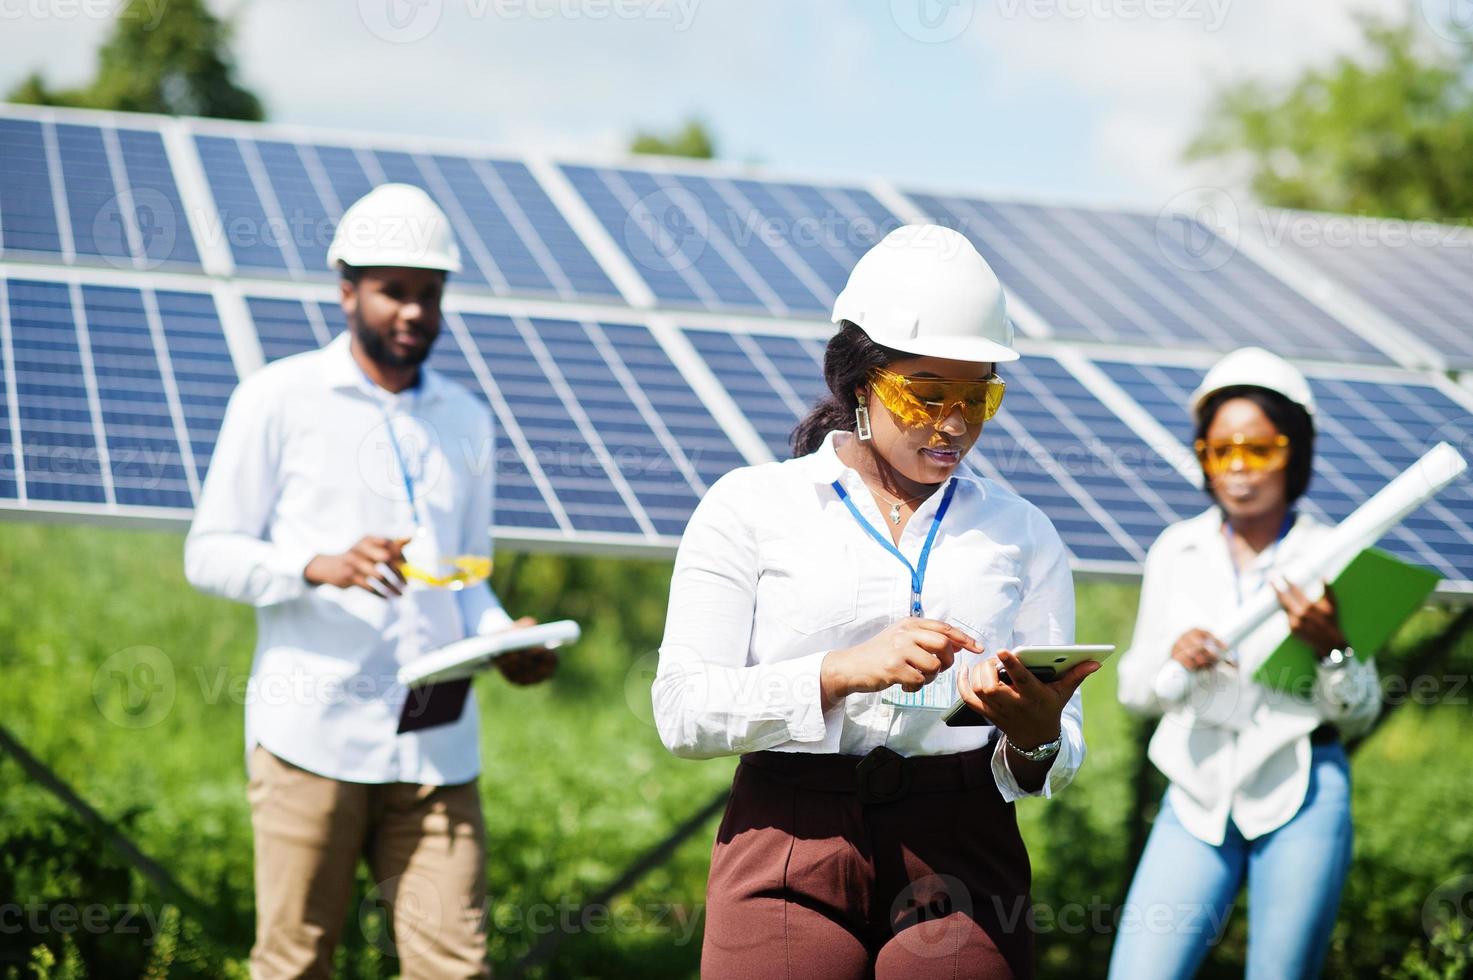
(425,847)
(813,881)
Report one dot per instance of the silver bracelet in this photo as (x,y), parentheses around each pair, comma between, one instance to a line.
(1042,753)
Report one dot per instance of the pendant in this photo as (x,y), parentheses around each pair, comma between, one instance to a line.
(895,514)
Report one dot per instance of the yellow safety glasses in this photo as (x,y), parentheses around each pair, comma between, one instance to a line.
(1254,455)
(928,401)
(451,573)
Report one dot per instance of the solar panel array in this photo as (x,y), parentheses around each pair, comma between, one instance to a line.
(638,329)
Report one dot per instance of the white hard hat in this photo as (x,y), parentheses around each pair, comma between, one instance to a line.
(1256,368)
(925,290)
(395,225)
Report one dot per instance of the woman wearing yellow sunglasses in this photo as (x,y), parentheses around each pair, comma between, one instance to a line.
(810,597)
(1259,786)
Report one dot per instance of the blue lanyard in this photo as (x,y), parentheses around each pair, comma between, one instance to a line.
(917,572)
(1278,540)
(403,467)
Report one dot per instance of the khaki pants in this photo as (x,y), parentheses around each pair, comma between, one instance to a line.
(425,847)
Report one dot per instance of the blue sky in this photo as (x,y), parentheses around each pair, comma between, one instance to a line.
(1080,100)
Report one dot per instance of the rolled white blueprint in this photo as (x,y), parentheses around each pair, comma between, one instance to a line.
(1439,466)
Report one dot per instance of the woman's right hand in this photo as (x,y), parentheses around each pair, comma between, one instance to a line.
(909,653)
(1197,650)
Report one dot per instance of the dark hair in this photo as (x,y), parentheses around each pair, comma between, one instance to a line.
(847,362)
(1288,417)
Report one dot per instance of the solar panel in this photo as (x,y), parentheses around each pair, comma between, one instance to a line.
(94,415)
(612,421)
(90,192)
(1419,275)
(285,198)
(1369,429)
(723,243)
(1147,280)
(1108,493)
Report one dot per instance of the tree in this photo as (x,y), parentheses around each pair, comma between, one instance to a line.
(1386,133)
(177,62)
(691,140)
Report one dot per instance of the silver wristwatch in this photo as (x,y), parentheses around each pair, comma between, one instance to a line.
(1042,753)
(1337,659)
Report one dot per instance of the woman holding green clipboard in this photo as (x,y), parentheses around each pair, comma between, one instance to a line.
(1259,784)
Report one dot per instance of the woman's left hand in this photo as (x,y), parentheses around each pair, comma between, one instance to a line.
(1026,710)
(1314,622)
(530,666)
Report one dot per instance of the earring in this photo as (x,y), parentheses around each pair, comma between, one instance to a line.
(861,421)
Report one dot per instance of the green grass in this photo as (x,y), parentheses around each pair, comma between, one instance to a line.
(575,783)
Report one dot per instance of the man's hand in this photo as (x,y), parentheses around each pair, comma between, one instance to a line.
(1316,623)
(909,653)
(1027,710)
(530,666)
(360,566)
(1197,650)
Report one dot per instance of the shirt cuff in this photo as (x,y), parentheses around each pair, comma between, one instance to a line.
(800,682)
(1007,783)
(1173,682)
(289,566)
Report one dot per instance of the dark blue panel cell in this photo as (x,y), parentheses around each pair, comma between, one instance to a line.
(657,236)
(158,211)
(401,169)
(62,457)
(580,268)
(301,207)
(583,485)
(519,503)
(282,326)
(344,173)
(765,408)
(9,448)
(142,444)
(255,240)
(647,466)
(97,215)
(508,250)
(203,369)
(683,412)
(27,215)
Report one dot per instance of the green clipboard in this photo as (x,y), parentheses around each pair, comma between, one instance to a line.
(1374,595)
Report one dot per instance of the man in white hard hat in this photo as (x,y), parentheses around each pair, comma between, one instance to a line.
(338,472)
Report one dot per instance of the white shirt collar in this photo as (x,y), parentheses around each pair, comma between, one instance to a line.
(824,466)
(342,371)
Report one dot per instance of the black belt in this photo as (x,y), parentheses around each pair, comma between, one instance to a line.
(883,776)
(1326,734)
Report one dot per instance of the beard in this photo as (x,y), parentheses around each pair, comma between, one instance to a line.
(378,349)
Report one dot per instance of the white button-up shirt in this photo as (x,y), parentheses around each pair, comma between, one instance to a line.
(305,466)
(774,572)
(1230,746)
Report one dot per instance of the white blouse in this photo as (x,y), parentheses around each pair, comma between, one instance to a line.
(774,572)
(1230,746)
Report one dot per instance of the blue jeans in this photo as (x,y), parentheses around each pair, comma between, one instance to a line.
(1184,889)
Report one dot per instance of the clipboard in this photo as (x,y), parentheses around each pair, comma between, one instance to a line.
(440,682)
(1374,595)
